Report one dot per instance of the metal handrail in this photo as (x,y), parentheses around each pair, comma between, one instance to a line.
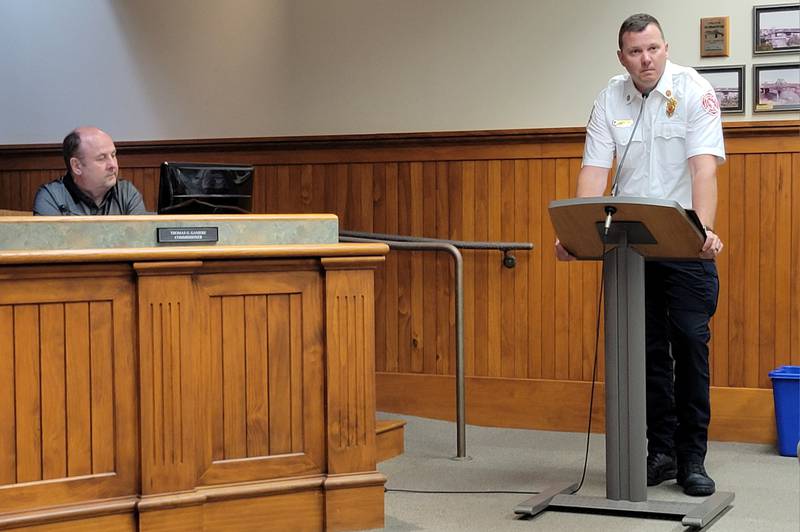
(451,246)
(509,261)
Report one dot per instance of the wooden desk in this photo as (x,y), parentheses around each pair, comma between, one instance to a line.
(189,388)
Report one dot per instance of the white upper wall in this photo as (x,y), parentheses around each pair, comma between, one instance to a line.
(158,69)
(144,69)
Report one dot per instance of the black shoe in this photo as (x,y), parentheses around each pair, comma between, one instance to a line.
(694,479)
(660,467)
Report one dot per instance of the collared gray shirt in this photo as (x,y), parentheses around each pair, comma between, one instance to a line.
(62,197)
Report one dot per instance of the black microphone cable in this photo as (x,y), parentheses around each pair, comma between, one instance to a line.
(460,492)
(609,212)
(588,429)
(594,369)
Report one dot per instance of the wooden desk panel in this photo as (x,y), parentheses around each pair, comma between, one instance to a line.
(264,366)
(68,419)
(167,395)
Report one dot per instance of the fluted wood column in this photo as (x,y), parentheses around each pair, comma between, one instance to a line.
(167,383)
(350,343)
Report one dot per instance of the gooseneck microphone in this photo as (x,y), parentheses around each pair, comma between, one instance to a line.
(610,210)
(614,184)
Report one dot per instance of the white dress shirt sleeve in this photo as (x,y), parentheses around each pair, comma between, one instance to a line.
(599,147)
(703,122)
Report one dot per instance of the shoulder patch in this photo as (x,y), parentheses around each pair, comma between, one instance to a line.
(710,103)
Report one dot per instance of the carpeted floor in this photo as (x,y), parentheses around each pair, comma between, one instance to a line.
(766,485)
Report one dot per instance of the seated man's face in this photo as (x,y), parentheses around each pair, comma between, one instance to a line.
(95,169)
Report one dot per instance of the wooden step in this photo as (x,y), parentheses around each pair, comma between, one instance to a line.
(390,435)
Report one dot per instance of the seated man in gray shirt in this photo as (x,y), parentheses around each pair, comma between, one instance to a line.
(91,185)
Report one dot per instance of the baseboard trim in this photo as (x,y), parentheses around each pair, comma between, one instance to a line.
(738,414)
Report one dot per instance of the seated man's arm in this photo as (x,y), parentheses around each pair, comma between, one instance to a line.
(45,204)
(137,205)
(132,201)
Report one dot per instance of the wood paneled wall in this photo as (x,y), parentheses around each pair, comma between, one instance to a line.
(538,320)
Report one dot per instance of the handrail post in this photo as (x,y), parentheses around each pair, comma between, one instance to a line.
(461,437)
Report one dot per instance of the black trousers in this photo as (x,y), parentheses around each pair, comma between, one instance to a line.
(680,299)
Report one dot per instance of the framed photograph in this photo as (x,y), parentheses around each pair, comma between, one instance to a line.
(728,83)
(776,29)
(776,87)
(714,37)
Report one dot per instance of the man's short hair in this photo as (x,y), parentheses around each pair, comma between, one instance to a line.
(637,23)
(70,147)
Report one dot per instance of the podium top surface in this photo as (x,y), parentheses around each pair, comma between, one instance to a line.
(676,233)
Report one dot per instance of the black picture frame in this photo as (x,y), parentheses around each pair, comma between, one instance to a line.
(776,87)
(729,86)
(776,29)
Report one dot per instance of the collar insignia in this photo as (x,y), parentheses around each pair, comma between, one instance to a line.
(672,103)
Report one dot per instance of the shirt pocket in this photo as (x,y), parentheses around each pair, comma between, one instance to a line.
(670,130)
(622,135)
(669,147)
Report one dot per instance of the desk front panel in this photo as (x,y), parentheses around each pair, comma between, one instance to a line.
(264,371)
(67,386)
(168,394)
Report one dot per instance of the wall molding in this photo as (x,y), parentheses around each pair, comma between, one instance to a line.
(442,145)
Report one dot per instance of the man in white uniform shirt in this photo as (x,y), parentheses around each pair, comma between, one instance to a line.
(670,117)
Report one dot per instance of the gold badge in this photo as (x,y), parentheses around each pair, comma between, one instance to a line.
(672,103)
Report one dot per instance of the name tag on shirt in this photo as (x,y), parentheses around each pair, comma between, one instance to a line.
(626,122)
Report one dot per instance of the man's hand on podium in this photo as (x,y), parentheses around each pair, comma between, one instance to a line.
(712,246)
(562,253)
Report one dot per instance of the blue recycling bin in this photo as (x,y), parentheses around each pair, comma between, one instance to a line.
(786,391)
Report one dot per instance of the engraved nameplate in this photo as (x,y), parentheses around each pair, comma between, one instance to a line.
(173,235)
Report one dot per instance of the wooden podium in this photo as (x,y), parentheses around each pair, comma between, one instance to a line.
(641,228)
(199,387)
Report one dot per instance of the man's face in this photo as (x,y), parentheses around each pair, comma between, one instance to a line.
(644,55)
(95,168)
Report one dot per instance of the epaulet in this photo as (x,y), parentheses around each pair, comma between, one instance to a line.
(616,80)
(698,80)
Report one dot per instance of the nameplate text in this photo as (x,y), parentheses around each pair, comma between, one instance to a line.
(173,235)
